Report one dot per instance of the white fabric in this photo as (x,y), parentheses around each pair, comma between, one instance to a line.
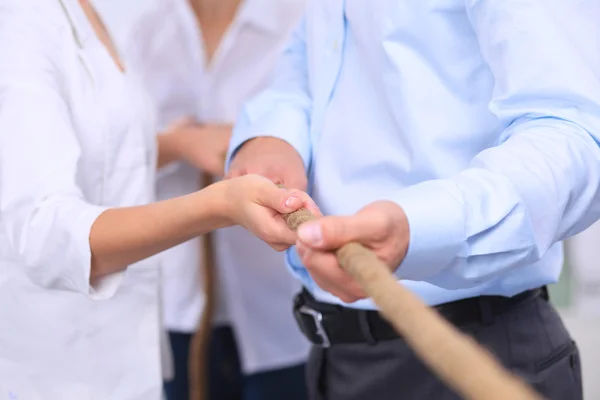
(76,137)
(256,290)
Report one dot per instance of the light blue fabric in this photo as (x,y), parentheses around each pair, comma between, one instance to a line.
(480,118)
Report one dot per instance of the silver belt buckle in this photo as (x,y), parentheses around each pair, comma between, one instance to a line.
(318,319)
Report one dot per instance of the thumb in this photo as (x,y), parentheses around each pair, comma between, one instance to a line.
(284,201)
(329,233)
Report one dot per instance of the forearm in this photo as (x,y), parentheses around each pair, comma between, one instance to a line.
(539,184)
(505,211)
(167,151)
(122,236)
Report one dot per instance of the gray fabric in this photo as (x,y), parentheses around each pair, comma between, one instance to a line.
(531,340)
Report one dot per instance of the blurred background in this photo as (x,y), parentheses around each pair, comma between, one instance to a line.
(577,294)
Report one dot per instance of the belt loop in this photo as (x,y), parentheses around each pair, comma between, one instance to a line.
(485,310)
(365,328)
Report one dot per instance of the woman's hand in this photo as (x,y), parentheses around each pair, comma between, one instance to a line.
(202,145)
(257,204)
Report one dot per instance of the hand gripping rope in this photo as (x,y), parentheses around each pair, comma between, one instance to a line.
(454,357)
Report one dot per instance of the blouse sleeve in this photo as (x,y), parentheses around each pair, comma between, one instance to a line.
(45,221)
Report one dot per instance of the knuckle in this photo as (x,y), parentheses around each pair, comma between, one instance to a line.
(326,286)
(357,293)
(266,234)
(307,260)
(280,247)
(347,298)
(379,224)
(275,234)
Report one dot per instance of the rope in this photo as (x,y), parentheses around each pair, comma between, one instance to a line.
(198,357)
(454,357)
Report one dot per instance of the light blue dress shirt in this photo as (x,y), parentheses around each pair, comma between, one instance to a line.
(481,118)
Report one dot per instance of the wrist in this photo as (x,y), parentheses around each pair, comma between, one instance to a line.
(169,150)
(175,139)
(216,204)
(402,233)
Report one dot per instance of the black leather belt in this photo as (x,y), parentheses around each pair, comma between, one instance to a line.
(327,324)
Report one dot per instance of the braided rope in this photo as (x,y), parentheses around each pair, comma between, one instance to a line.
(454,357)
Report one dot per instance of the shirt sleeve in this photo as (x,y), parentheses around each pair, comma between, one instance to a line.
(283,109)
(45,221)
(540,183)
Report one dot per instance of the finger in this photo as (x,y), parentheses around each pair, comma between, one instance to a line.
(323,281)
(331,289)
(276,234)
(335,291)
(280,246)
(324,267)
(307,202)
(279,234)
(329,233)
(285,201)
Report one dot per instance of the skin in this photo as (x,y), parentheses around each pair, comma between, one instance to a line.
(122,236)
(202,145)
(272,158)
(214,18)
(381,226)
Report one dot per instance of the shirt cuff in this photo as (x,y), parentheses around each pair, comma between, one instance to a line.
(97,289)
(295,266)
(435,214)
(105,287)
(284,123)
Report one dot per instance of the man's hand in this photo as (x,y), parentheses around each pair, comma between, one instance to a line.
(202,145)
(272,158)
(381,226)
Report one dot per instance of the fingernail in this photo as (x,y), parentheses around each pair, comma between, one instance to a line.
(310,233)
(292,202)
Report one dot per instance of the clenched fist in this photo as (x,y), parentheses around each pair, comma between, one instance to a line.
(272,158)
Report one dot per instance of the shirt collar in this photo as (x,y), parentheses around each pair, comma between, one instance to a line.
(263,14)
(81,26)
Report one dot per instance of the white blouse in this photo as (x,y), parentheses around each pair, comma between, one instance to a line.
(256,290)
(76,138)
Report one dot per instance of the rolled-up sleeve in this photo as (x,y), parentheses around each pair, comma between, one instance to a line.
(283,109)
(45,221)
(541,183)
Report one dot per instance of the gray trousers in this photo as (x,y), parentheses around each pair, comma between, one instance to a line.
(530,340)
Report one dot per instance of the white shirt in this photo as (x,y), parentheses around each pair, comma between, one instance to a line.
(77,137)
(257,290)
